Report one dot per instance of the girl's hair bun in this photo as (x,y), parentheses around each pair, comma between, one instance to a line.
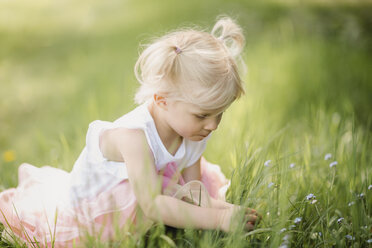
(230,33)
(194,66)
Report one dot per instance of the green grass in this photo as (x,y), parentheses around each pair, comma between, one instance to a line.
(309,88)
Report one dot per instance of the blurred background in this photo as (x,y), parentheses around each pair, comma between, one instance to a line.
(66,63)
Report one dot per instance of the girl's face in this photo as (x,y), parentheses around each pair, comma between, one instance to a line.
(190,121)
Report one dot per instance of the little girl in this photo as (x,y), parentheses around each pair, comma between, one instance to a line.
(149,161)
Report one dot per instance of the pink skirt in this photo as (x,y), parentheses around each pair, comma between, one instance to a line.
(38,212)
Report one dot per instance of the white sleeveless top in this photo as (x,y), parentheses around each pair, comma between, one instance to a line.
(93,173)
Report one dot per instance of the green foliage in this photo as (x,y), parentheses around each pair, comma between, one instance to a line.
(308,93)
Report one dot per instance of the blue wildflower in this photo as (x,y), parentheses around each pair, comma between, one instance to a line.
(297,220)
(310,197)
(339,221)
(327,156)
(349,237)
(267,163)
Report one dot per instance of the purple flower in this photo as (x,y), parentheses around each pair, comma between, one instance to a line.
(327,156)
(267,163)
(333,164)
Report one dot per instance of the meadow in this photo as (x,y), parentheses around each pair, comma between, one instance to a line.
(297,147)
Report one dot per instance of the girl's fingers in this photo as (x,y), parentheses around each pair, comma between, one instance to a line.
(250,211)
(251,218)
(254,212)
(249,226)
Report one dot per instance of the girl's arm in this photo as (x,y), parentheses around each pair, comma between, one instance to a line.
(132,146)
(192,172)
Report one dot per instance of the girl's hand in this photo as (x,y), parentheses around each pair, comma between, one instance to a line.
(251,217)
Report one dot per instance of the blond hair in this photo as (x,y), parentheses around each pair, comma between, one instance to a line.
(194,66)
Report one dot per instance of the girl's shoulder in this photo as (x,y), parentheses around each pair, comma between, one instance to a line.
(114,142)
(133,122)
(138,117)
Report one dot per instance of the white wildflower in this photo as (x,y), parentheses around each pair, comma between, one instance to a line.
(315,235)
(327,156)
(349,237)
(351,204)
(283,230)
(292,165)
(333,164)
(287,237)
(313,201)
(270,185)
(297,220)
(370,187)
(361,195)
(339,221)
(267,163)
(369,241)
(283,246)
(292,227)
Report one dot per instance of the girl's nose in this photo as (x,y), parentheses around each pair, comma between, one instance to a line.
(212,124)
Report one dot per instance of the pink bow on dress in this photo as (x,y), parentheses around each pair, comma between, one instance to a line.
(171,173)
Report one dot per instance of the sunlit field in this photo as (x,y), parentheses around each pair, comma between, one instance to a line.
(297,147)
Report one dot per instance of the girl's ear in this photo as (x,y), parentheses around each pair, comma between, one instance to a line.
(160,101)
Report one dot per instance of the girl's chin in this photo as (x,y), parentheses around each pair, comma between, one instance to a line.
(197,138)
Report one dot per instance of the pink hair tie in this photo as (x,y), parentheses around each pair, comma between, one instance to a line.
(178,50)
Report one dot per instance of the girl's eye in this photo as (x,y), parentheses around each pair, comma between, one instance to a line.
(201,116)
